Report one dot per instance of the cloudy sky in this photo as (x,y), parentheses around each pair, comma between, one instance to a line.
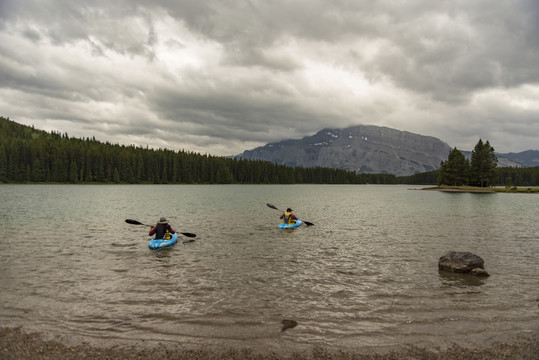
(220,77)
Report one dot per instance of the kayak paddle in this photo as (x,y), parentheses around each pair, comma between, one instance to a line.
(274,207)
(135,222)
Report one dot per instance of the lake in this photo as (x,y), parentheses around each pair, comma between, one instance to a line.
(365,275)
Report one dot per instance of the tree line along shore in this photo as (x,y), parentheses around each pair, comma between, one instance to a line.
(475,189)
(28,155)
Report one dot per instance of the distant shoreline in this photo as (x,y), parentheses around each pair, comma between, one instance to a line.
(474,189)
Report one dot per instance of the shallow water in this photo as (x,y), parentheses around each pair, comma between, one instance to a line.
(365,275)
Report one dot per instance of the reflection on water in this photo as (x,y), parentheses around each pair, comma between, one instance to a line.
(460,280)
(366,274)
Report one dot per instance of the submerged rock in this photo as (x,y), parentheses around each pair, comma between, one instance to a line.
(288,324)
(462,262)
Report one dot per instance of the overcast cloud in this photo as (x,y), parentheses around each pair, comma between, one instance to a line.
(221,77)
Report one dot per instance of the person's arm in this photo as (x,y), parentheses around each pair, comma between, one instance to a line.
(282,216)
(152,230)
(171,230)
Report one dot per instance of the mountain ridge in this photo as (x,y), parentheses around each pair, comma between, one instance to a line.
(369,149)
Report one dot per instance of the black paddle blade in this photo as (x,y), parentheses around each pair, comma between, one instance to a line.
(189,234)
(272,206)
(134,222)
(308,223)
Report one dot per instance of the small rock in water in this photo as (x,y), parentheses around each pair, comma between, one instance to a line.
(462,262)
(289,324)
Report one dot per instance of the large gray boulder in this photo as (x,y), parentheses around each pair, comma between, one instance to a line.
(462,262)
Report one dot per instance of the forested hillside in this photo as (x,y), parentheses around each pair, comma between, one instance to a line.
(28,155)
(31,155)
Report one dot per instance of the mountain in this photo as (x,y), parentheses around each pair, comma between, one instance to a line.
(372,149)
(363,149)
(528,158)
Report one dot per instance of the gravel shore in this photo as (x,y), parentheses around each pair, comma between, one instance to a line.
(15,344)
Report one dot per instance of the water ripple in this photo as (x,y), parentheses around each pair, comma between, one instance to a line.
(365,274)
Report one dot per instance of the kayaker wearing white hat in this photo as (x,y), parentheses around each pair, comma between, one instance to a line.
(160,229)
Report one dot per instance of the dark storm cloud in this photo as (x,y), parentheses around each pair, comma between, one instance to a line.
(221,77)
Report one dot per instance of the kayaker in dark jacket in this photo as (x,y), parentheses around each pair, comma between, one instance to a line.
(160,229)
(288,217)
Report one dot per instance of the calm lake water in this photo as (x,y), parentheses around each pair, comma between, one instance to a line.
(366,275)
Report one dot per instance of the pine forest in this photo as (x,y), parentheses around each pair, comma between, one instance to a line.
(29,155)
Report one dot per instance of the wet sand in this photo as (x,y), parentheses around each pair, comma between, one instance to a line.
(16,344)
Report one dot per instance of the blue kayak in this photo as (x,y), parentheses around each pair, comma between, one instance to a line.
(162,243)
(290,226)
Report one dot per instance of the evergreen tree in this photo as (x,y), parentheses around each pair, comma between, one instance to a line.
(454,171)
(38,172)
(88,177)
(73,173)
(3,164)
(116,175)
(483,165)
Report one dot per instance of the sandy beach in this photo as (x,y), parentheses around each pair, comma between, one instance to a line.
(16,344)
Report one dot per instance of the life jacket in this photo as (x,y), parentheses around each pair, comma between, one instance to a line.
(287,218)
(161,231)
